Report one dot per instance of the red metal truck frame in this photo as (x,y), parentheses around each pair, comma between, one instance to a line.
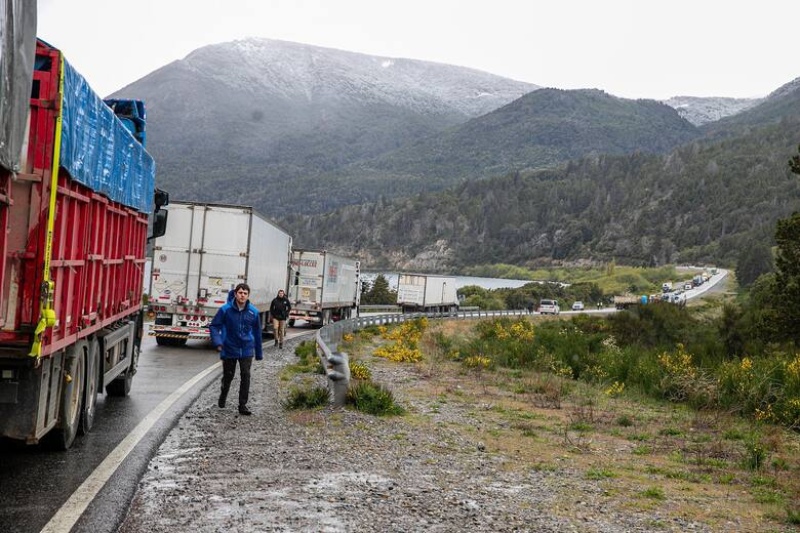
(97,260)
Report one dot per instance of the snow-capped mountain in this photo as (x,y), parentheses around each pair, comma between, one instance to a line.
(702,110)
(255,114)
(787,88)
(309,74)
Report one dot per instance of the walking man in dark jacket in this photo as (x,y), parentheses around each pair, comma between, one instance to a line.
(236,333)
(279,311)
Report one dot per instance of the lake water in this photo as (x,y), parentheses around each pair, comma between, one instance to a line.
(461,281)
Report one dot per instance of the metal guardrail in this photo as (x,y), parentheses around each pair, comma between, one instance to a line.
(337,364)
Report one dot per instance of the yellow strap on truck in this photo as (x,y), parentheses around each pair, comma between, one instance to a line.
(47,318)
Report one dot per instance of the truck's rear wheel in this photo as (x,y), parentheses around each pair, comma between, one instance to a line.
(290,322)
(92,382)
(69,412)
(121,386)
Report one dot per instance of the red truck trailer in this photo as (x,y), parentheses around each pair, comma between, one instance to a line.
(74,219)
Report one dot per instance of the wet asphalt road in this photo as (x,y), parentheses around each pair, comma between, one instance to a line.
(35,482)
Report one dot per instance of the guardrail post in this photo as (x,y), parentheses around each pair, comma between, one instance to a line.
(339,373)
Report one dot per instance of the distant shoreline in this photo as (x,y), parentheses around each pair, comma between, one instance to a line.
(461,281)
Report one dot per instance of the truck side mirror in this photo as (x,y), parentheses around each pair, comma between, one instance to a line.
(160,199)
(159,224)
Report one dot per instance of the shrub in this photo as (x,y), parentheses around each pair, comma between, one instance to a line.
(359,370)
(764,387)
(399,353)
(755,454)
(445,343)
(405,337)
(659,326)
(306,350)
(300,398)
(683,381)
(509,343)
(793,516)
(372,398)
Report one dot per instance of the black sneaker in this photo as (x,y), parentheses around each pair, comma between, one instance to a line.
(276,343)
(243,410)
(281,346)
(221,403)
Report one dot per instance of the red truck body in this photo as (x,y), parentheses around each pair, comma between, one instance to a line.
(94,242)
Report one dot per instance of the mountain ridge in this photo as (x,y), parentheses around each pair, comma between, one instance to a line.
(229,121)
(317,129)
(704,201)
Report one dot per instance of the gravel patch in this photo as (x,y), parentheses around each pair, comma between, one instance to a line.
(336,470)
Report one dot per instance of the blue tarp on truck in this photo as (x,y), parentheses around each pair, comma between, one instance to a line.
(99,151)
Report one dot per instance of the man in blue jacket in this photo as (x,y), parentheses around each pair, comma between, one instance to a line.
(236,333)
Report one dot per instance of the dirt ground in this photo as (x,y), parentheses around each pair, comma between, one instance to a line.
(467,456)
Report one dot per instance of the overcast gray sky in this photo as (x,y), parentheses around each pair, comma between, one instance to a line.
(629,48)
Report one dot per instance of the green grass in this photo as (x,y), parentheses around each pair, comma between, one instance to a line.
(306,398)
(373,398)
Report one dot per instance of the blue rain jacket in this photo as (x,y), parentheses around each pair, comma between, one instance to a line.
(238,332)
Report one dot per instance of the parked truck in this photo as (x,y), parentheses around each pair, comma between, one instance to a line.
(426,293)
(207,251)
(74,215)
(625,301)
(324,287)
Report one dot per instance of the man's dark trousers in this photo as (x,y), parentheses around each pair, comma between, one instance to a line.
(229,370)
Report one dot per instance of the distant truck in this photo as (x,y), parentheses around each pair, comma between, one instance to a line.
(207,251)
(323,287)
(426,293)
(75,205)
(625,301)
(666,286)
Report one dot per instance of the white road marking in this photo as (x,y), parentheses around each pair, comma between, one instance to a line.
(73,508)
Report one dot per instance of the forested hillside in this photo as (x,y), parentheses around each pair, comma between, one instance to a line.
(291,128)
(702,202)
(542,129)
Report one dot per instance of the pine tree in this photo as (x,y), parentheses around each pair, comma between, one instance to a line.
(379,292)
(787,263)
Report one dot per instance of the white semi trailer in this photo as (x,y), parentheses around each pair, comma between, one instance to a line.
(426,293)
(208,250)
(323,287)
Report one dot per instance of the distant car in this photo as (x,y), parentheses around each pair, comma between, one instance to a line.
(688,286)
(577,306)
(548,307)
